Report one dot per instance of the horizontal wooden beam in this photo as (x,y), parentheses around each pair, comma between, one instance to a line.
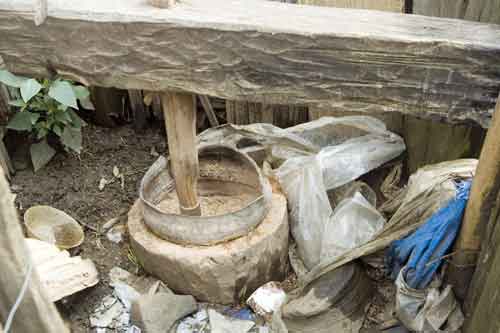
(264,51)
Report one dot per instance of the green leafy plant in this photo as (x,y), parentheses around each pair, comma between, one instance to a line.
(47,108)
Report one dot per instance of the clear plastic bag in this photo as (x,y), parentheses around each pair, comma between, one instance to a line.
(353,222)
(307,179)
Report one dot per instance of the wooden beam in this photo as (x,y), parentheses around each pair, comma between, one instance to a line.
(180,121)
(484,191)
(35,313)
(264,51)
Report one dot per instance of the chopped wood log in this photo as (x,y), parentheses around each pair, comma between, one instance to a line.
(483,195)
(35,313)
(264,51)
(180,121)
(209,110)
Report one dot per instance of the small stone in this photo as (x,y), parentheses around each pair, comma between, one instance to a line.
(159,312)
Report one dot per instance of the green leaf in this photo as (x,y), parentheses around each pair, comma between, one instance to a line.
(81,92)
(76,120)
(42,133)
(10,79)
(83,95)
(87,104)
(63,117)
(41,154)
(62,92)
(57,129)
(17,103)
(72,138)
(23,121)
(29,88)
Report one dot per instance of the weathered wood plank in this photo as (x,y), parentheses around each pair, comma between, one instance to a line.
(476,10)
(484,192)
(139,110)
(483,11)
(209,110)
(440,8)
(386,5)
(106,102)
(36,313)
(483,303)
(264,51)
(243,113)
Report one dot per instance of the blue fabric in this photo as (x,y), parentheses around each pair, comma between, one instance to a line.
(421,251)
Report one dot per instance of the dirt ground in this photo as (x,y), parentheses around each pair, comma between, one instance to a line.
(71,183)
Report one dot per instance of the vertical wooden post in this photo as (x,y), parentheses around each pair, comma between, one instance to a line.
(484,191)
(138,110)
(180,121)
(35,313)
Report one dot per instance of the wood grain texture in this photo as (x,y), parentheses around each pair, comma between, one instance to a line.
(209,110)
(264,51)
(139,110)
(36,313)
(473,10)
(180,121)
(243,113)
(483,303)
(107,101)
(441,8)
(385,5)
(484,192)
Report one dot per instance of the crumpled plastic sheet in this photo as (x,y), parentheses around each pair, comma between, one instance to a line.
(429,309)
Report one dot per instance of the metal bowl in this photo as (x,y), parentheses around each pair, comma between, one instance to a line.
(233,170)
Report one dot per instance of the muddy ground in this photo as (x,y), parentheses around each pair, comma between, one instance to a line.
(71,183)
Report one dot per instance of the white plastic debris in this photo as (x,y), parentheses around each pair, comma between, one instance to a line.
(427,310)
(116,233)
(306,179)
(267,299)
(353,222)
(114,311)
(107,313)
(197,323)
(222,324)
